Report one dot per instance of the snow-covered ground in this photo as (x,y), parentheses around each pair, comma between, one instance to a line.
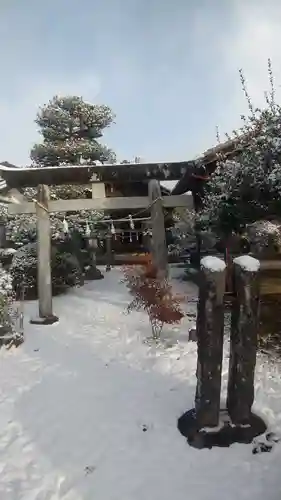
(89,411)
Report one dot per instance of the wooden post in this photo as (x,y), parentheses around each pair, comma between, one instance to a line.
(209,327)
(3,240)
(244,338)
(44,258)
(197,204)
(108,251)
(159,251)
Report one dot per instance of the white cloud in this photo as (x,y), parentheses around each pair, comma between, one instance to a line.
(17,127)
(256,38)
(246,42)
(252,36)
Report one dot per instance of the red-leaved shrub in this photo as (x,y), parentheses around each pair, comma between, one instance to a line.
(153,295)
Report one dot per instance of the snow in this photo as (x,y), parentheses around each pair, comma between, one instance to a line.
(213,264)
(89,411)
(247,263)
(9,251)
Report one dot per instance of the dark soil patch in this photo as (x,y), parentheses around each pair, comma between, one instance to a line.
(223,437)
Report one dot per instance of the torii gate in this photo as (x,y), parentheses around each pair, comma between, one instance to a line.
(97,176)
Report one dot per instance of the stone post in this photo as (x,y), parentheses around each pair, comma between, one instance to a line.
(210,325)
(244,337)
(46,315)
(159,252)
(3,239)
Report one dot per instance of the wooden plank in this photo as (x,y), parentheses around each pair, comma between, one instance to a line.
(158,240)
(120,203)
(11,196)
(180,201)
(83,174)
(270,265)
(84,204)
(14,193)
(22,208)
(270,286)
(98,190)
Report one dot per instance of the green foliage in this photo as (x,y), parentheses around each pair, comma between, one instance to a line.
(24,270)
(71,128)
(265,238)
(153,295)
(6,301)
(21,229)
(66,271)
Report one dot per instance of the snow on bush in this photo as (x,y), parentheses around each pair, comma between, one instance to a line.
(66,271)
(248,188)
(265,236)
(21,229)
(7,297)
(174,250)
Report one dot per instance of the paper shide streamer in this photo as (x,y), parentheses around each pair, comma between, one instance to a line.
(87,230)
(65,225)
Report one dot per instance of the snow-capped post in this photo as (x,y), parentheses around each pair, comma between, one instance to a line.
(159,251)
(210,326)
(244,337)
(46,315)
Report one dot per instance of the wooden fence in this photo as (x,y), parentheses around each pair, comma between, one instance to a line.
(270,276)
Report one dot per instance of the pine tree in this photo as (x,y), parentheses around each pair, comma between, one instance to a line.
(70,128)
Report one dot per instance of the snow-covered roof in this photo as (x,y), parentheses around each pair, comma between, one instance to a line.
(3,185)
(208,160)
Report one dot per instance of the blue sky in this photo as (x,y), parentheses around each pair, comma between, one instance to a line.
(169,69)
